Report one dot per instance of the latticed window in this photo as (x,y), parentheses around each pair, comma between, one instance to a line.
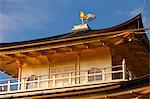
(32,84)
(62,72)
(94,77)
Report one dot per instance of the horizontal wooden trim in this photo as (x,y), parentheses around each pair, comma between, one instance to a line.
(49,47)
(75,38)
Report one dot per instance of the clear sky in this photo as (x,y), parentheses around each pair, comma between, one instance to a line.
(31,19)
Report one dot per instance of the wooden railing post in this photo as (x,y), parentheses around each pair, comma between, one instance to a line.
(103,74)
(38,82)
(86,77)
(124,69)
(19,76)
(8,85)
(19,83)
(70,79)
(54,80)
(23,87)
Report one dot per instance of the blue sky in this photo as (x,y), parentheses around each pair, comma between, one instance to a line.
(31,19)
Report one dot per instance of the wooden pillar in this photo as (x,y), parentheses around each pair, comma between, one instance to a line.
(70,79)
(103,74)
(124,69)
(38,82)
(86,78)
(50,59)
(19,76)
(77,68)
(8,85)
(54,81)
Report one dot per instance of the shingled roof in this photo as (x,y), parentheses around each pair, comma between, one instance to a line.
(124,26)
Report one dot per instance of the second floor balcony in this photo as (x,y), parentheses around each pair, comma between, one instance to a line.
(107,75)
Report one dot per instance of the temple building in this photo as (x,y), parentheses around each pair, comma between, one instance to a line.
(111,63)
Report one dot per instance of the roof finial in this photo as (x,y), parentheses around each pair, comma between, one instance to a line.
(88,17)
(83,26)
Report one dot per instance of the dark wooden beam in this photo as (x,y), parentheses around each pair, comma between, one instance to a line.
(31,54)
(47,52)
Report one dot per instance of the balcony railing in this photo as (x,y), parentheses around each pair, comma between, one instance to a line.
(67,79)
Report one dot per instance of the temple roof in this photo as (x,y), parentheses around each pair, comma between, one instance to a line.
(124,26)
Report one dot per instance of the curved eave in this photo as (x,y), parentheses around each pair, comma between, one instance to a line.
(135,22)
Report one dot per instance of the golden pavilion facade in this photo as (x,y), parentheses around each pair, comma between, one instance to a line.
(95,64)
